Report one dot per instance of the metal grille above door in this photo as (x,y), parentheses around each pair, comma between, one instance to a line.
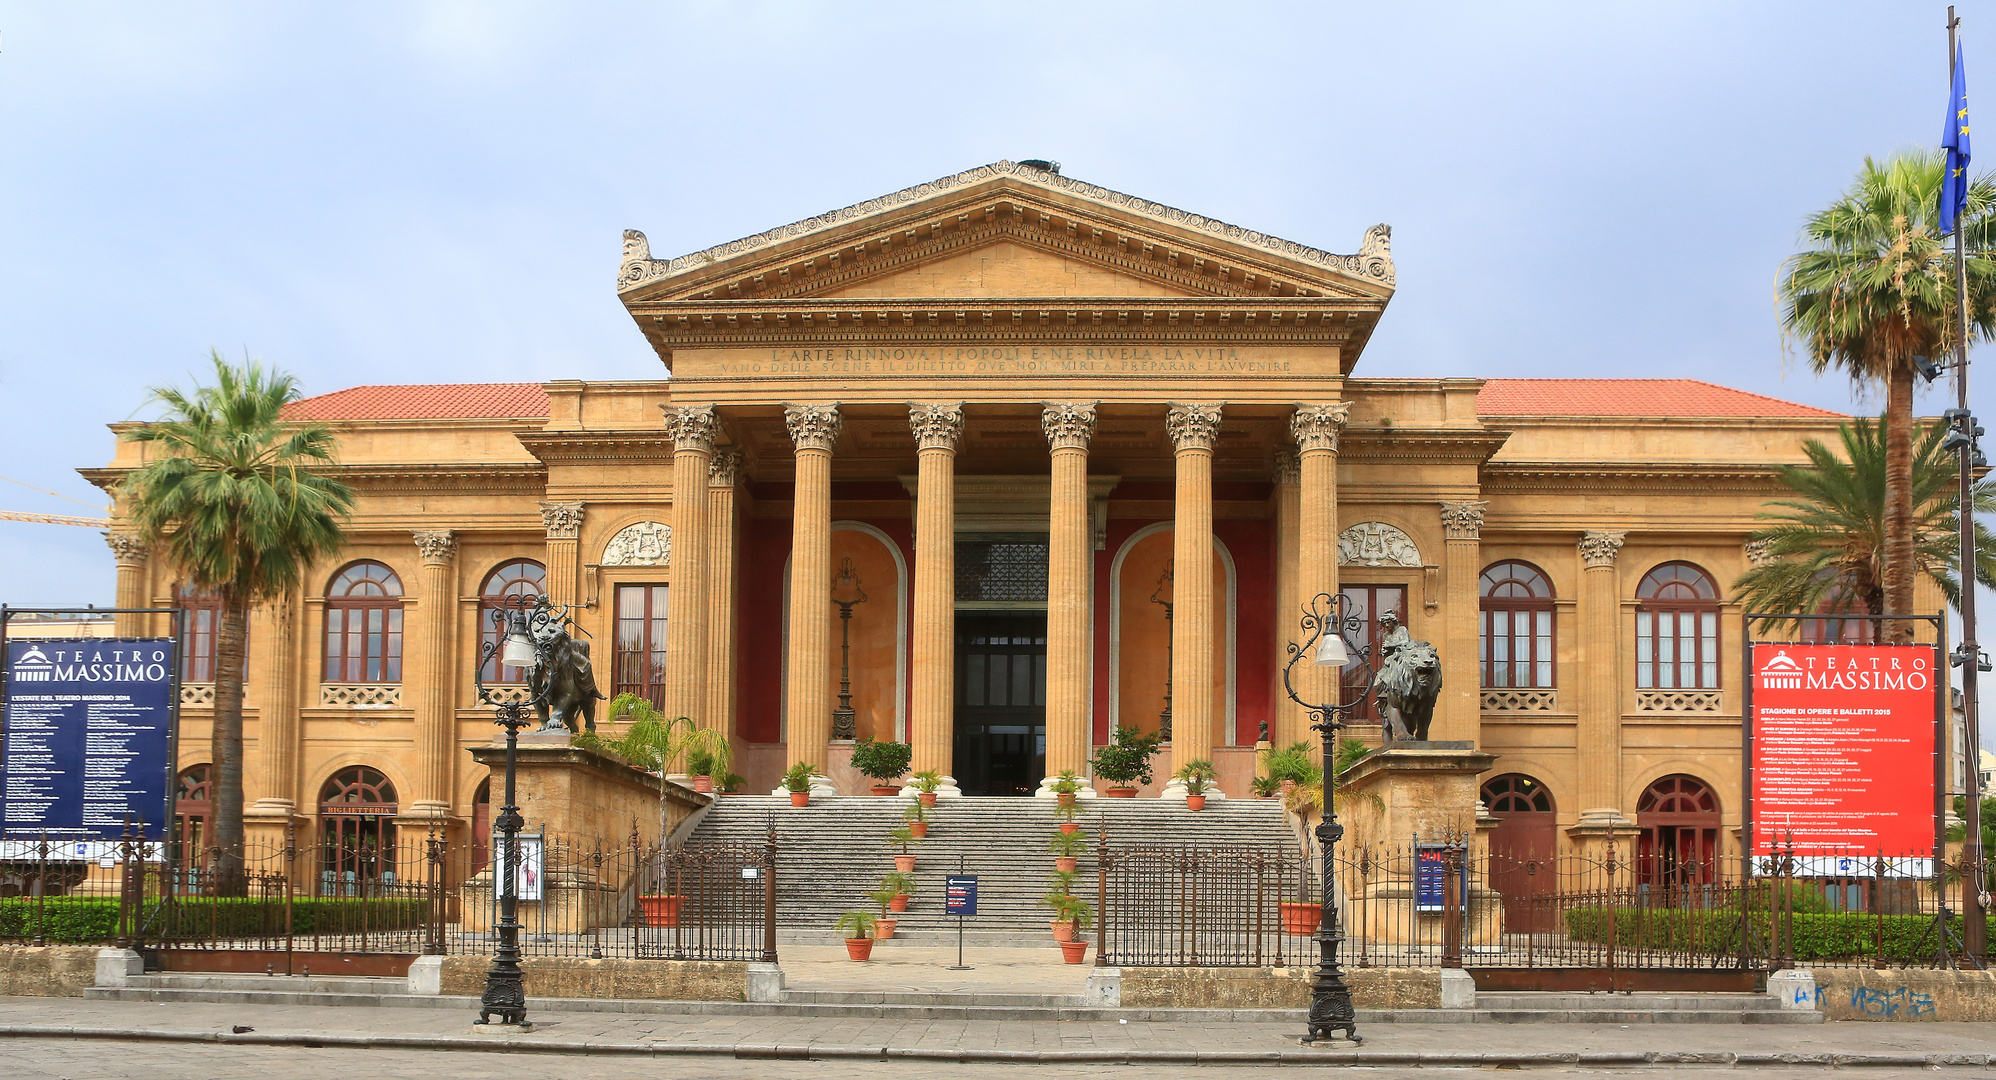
(1009,570)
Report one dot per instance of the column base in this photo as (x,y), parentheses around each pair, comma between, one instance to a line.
(1046,790)
(945,790)
(1175,789)
(821,788)
(427,808)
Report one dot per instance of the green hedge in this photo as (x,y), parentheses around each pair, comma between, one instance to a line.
(1837,936)
(92,920)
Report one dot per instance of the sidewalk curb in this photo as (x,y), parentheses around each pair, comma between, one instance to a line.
(528,1044)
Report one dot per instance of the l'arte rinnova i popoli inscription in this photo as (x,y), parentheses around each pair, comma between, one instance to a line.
(1136,360)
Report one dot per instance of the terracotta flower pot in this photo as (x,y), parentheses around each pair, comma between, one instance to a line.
(918,828)
(660,909)
(859,948)
(886,789)
(1195,802)
(800,798)
(1300,919)
(904,863)
(1070,826)
(704,785)
(883,929)
(928,798)
(1065,798)
(1121,793)
(1074,952)
(1064,863)
(899,903)
(1063,930)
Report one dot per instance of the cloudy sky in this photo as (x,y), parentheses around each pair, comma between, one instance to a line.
(433,191)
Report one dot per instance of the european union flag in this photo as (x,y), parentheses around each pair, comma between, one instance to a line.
(1954,140)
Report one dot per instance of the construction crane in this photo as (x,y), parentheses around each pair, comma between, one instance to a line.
(56,519)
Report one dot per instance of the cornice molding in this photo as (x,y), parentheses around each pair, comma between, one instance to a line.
(1548,478)
(632,446)
(1423,445)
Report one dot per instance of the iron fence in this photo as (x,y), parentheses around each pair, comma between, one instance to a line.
(1189,906)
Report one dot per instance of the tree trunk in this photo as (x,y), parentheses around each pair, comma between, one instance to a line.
(1898,563)
(226,743)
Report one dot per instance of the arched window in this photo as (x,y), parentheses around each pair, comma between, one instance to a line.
(357,833)
(521,577)
(1838,601)
(1679,818)
(1677,629)
(364,625)
(1516,642)
(1522,851)
(204,619)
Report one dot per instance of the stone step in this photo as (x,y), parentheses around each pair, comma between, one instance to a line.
(288,984)
(1623,1002)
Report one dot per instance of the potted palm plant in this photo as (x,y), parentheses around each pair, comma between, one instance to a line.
(708,755)
(882,763)
(902,837)
(1070,912)
(858,925)
(797,781)
(1066,815)
(1067,848)
(732,783)
(917,817)
(1197,776)
(925,784)
(901,885)
(1304,798)
(1125,762)
(1264,787)
(1066,786)
(883,924)
(1081,916)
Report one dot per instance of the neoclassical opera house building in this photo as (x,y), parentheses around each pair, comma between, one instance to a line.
(1084,457)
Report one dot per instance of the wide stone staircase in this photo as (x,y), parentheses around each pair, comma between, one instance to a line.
(833,852)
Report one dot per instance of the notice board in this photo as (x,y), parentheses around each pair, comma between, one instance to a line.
(1842,755)
(85,742)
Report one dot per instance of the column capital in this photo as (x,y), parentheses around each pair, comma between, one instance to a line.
(1599,547)
(937,426)
(692,426)
(1069,425)
(562,520)
(1193,425)
(127,548)
(1287,465)
(1316,427)
(725,469)
(813,427)
(437,546)
(1463,520)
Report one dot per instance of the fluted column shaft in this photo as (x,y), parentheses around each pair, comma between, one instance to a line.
(275,627)
(1316,429)
(1069,427)
(1460,715)
(563,522)
(1600,728)
(1193,427)
(435,719)
(932,652)
(686,636)
(130,553)
(721,561)
(1287,722)
(807,694)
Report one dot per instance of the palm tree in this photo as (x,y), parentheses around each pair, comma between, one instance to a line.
(1825,550)
(1872,296)
(228,497)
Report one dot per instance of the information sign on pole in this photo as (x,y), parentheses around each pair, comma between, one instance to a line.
(1431,877)
(1841,764)
(960,895)
(87,736)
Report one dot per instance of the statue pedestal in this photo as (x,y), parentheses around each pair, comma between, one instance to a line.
(1394,798)
(585,796)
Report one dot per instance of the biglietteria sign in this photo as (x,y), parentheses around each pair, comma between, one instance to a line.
(1842,756)
(86,734)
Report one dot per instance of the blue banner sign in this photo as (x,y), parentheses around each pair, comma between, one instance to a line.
(84,745)
(1431,869)
(960,895)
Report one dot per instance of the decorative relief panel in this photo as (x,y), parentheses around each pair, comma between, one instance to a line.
(1375,543)
(1677,701)
(643,543)
(360,696)
(1509,701)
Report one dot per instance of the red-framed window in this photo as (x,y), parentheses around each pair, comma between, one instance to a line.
(364,625)
(521,577)
(1367,603)
(1677,629)
(640,661)
(202,625)
(1516,643)
(1679,843)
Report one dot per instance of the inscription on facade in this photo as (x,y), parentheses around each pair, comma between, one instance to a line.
(999,360)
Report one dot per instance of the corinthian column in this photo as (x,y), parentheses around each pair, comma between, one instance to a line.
(1460,715)
(1316,429)
(1193,427)
(563,521)
(130,552)
(807,693)
(721,476)
(1600,728)
(686,673)
(1288,721)
(435,719)
(1068,427)
(933,649)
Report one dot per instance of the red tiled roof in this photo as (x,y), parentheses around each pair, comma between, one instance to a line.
(1631,397)
(430,401)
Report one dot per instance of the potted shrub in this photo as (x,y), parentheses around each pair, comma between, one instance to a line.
(1074,952)
(858,926)
(1065,787)
(1197,776)
(1125,762)
(925,784)
(732,783)
(882,763)
(1070,913)
(1304,798)
(917,817)
(708,754)
(1264,787)
(797,781)
(701,764)
(900,885)
(902,837)
(1066,814)
(883,924)
(1293,766)
(1066,848)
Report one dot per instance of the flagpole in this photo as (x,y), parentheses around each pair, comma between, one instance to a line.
(1975,918)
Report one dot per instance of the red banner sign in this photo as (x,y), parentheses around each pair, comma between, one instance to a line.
(1843,754)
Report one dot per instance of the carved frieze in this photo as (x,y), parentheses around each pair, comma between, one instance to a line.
(642,543)
(936,426)
(1193,425)
(1463,520)
(436,546)
(1375,543)
(813,427)
(1068,424)
(563,520)
(1598,548)
(1316,427)
(127,549)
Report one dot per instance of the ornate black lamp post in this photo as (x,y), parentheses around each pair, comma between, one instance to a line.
(845,593)
(505,994)
(1161,596)
(1328,620)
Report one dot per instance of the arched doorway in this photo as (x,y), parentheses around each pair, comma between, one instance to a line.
(1521,851)
(1679,843)
(193,818)
(357,833)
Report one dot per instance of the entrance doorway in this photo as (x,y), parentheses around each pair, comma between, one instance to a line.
(1001,703)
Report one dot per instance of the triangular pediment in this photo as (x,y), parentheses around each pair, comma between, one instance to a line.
(1006,230)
